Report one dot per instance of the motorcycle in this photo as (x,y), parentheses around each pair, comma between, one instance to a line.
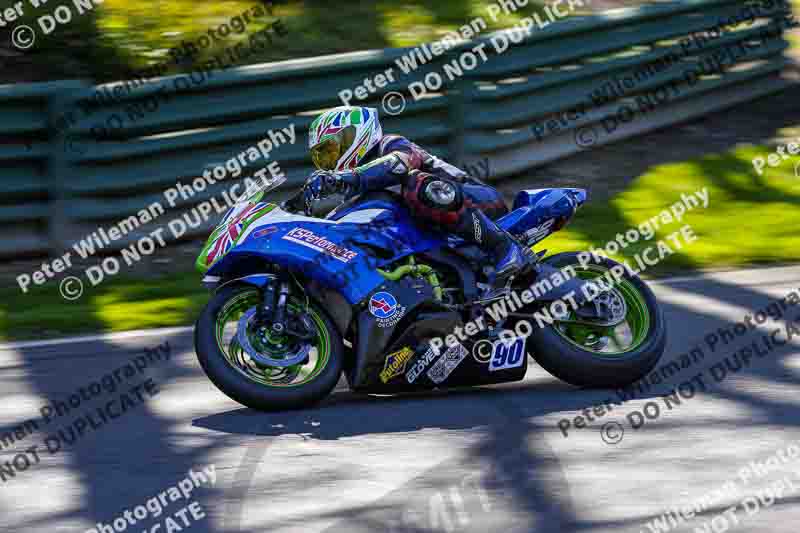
(298,300)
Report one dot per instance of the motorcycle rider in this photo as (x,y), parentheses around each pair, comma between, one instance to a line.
(354,156)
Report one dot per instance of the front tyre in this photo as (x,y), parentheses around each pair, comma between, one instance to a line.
(596,356)
(261,387)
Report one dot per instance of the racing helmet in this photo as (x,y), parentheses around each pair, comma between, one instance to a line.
(340,137)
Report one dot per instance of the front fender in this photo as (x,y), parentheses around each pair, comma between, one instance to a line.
(256,280)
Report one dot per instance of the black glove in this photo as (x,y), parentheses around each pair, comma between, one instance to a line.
(324,183)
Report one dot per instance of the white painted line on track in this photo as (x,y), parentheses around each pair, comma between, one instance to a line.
(95,338)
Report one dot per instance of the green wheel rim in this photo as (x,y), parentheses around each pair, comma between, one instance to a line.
(292,376)
(626,336)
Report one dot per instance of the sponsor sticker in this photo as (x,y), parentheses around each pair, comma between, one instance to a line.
(507,354)
(420,365)
(447,363)
(539,232)
(316,242)
(384,307)
(395,364)
(392,321)
(263,232)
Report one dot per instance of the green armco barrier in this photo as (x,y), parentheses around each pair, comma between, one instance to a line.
(76,157)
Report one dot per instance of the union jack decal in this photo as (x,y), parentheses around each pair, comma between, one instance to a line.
(225,237)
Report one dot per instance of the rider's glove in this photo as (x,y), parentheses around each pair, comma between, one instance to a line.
(323,183)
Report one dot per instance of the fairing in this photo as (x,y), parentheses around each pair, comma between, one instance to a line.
(340,254)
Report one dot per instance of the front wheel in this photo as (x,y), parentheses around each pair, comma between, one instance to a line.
(313,374)
(600,356)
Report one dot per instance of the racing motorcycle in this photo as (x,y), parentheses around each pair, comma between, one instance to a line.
(298,300)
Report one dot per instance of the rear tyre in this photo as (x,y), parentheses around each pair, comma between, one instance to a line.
(265,388)
(604,357)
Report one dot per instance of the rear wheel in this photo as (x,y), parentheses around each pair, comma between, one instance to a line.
(591,354)
(305,369)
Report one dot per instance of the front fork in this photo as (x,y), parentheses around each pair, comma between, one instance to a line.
(275,295)
(274,310)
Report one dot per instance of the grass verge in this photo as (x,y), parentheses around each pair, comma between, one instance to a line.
(119,304)
(751,219)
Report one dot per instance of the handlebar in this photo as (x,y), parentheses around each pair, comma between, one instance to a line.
(296,202)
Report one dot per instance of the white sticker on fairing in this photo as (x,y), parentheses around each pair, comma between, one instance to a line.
(507,354)
(419,366)
(537,233)
(309,239)
(447,363)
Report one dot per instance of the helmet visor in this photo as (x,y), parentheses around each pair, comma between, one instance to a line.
(326,154)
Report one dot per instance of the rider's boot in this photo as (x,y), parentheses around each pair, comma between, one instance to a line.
(511,257)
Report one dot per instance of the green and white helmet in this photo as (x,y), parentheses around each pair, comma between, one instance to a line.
(340,137)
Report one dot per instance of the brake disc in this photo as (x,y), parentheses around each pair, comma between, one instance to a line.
(263,359)
(608,303)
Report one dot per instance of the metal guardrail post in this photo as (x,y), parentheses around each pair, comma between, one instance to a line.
(456,110)
(58,175)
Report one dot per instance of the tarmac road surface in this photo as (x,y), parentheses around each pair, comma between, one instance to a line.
(718,456)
